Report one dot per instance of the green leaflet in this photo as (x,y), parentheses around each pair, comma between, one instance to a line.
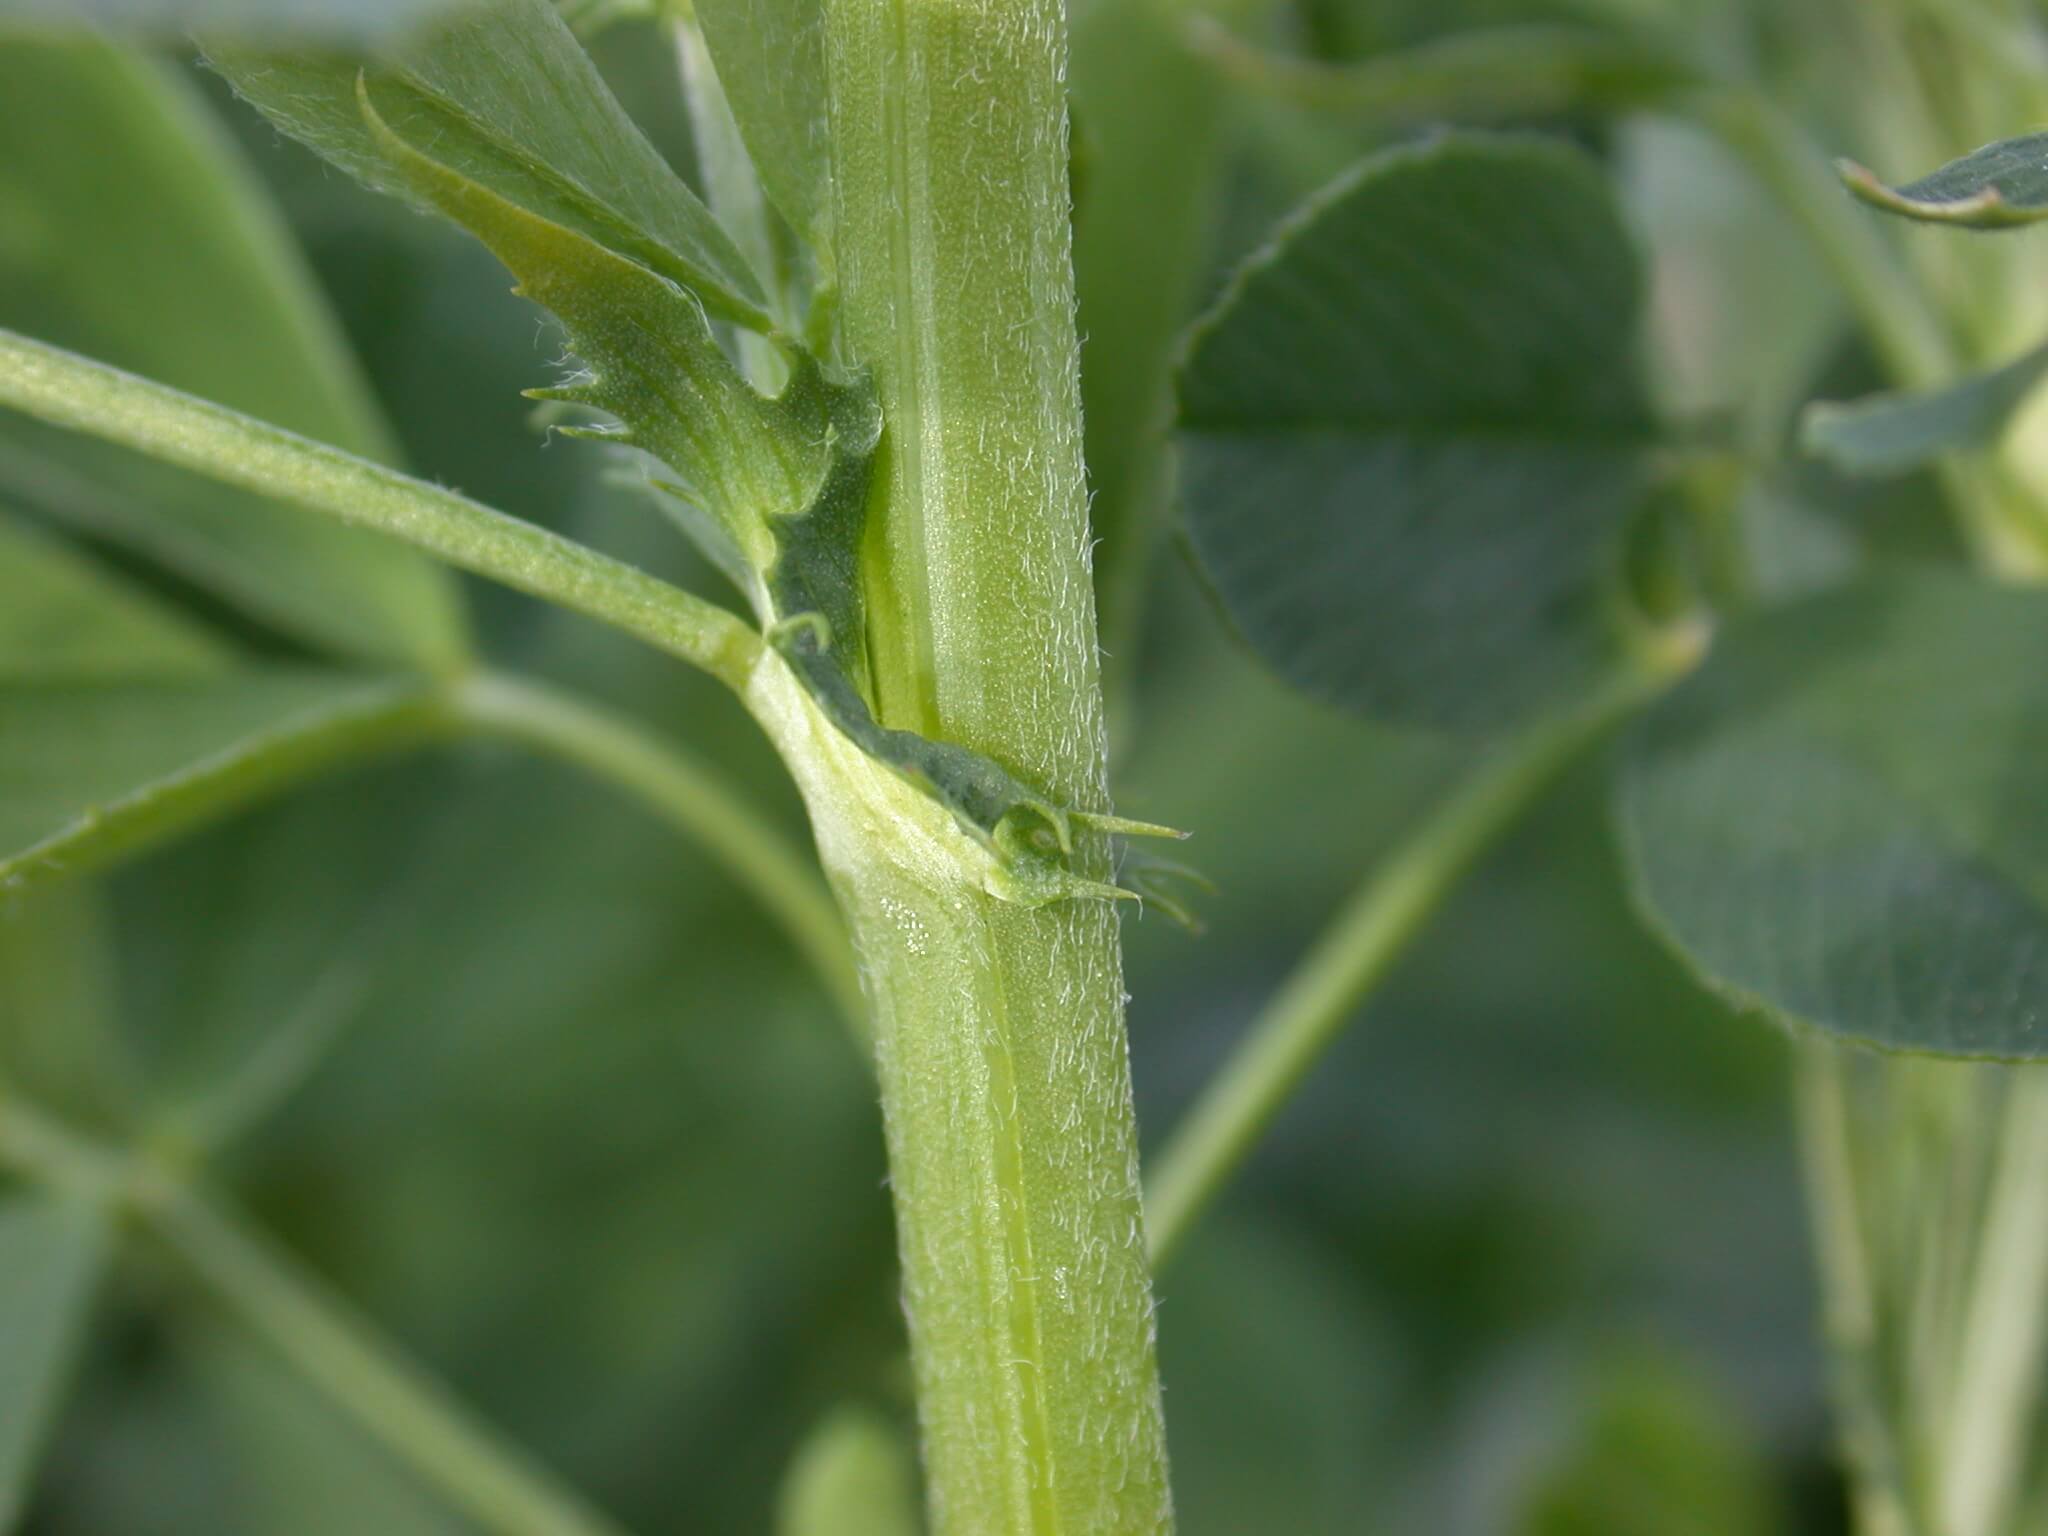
(91,769)
(1412,432)
(1839,818)
(653,362)
(2001,186)
(61,615)
(770,56)
(508,100)
(1891,434)
(52,1252)
(131,231)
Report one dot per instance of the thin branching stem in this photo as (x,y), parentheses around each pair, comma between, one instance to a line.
(73,392)
(394,1401)
(663,777)
(690,797)
(413,1416)
(1368,935)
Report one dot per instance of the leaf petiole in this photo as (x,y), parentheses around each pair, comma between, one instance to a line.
(394,1401)
(1355,953)
(76,393)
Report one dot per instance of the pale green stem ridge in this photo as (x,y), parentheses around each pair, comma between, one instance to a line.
(1355,953)
(690,797)
(84,396)
(398,1405)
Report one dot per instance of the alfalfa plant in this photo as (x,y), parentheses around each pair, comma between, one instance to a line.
(1424,471)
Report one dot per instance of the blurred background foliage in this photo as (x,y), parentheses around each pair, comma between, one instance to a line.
(1525,1257)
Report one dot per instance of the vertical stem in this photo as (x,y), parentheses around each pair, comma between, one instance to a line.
(999,1027)
(1848,1292)
(2004,1323)
(1927,1181)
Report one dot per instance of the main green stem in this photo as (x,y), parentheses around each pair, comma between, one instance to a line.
(999,1031)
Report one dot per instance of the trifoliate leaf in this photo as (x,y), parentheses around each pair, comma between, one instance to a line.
(1414,428)
(1839,819)
(52,1251)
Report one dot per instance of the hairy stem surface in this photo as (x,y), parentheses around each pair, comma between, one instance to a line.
(999,1027)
